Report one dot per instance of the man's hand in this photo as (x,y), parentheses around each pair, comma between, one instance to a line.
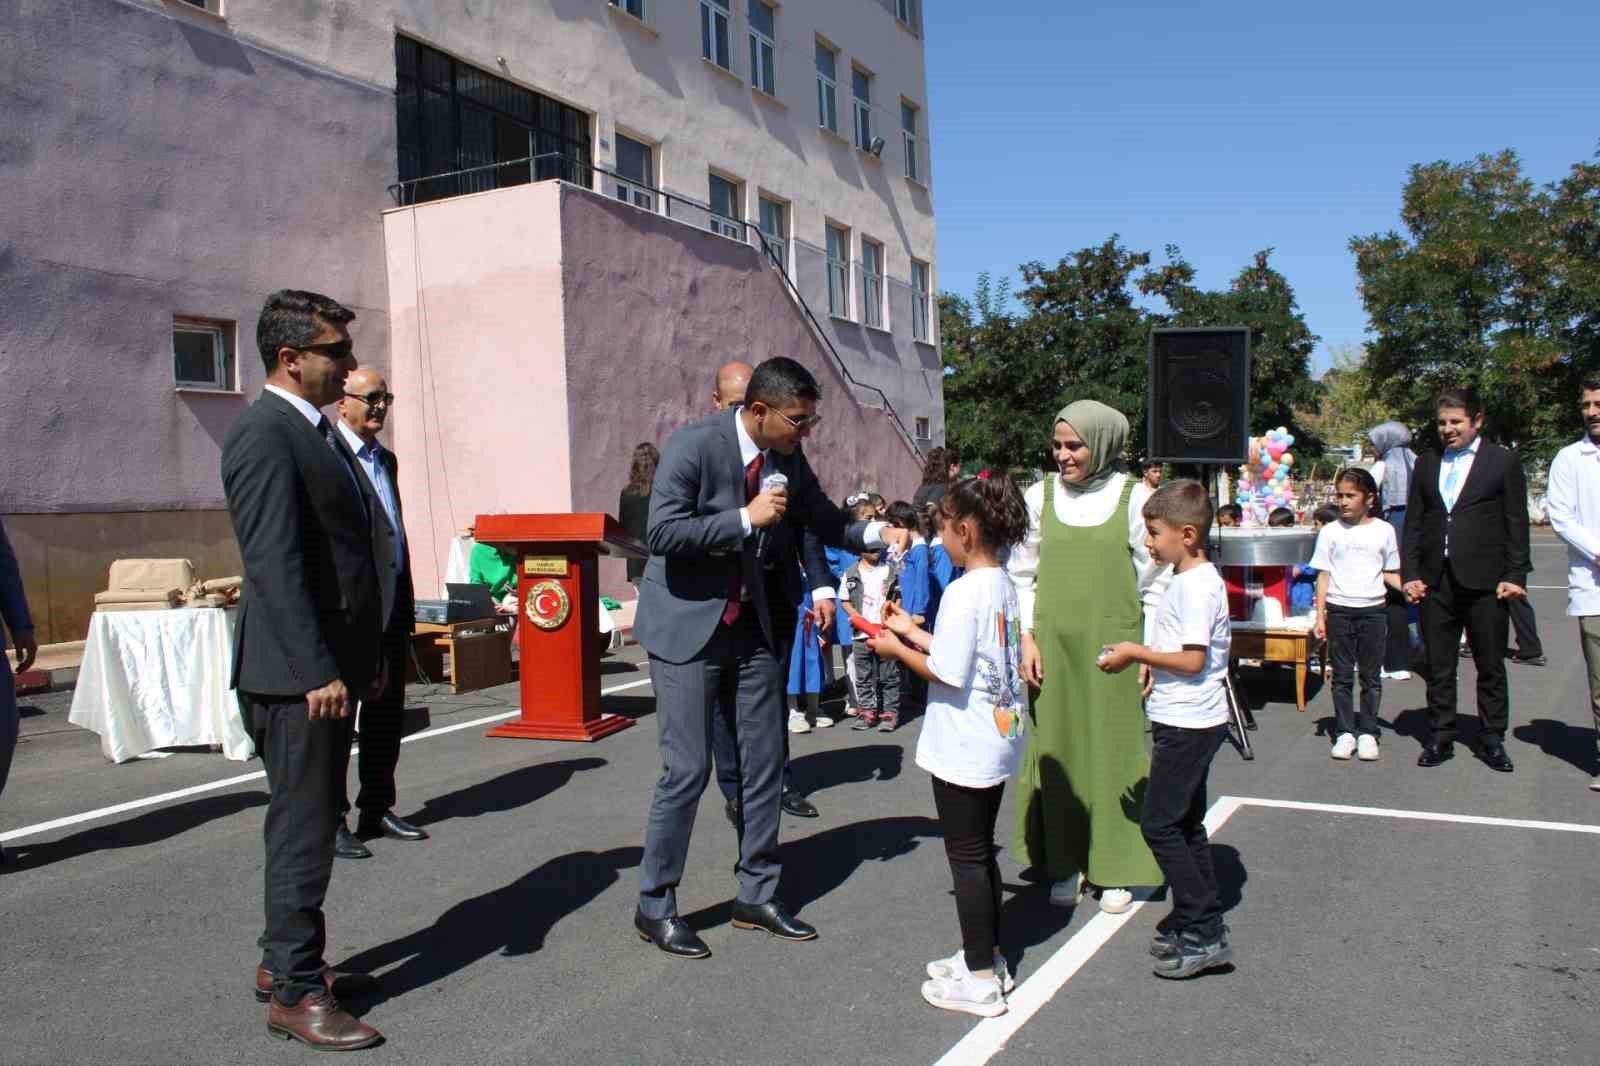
(896,620)
(1032,661)
(1117,658)
(1510,590)
(886,645)
(1147,681)
(767,508)
(27,645)
(330,701)
(1415,590)
(825,616)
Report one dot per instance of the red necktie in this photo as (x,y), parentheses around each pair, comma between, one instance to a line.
(752,487)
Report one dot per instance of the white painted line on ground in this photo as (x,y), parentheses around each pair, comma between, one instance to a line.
(229,782)
(989,1036)
(1421,816)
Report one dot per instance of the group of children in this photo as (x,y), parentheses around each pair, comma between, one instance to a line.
(977,706)
(880,693)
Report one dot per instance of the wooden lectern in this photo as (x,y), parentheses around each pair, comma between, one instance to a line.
(558,604)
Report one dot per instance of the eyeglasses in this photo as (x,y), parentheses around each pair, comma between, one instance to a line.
(373,399)
(802,424)
(340,349)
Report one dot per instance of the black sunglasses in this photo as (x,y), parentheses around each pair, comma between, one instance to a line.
(373,399)
(341,349)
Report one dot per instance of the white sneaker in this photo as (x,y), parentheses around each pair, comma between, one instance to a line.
(823,722)
(1367,748)
(1395,675)
(1067,893)
(940,969)
(963,992)
(1115,900)
(1343,748)
(798,723)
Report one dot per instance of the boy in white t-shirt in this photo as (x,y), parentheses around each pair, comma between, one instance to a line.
(1184,671)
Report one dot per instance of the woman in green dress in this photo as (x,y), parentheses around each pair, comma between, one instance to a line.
(1083,577)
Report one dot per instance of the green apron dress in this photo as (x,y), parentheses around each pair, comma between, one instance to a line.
(1080,788)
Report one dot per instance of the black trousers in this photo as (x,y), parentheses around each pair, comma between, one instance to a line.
(382,720)
(1173,824)
(967,817)
(1522,621)
(305,762)
(736,670)
(1449,608)
(1357,637)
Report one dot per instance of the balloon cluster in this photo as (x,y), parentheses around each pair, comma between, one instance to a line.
(1264,483)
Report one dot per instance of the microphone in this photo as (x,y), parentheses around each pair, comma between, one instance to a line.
(768,483)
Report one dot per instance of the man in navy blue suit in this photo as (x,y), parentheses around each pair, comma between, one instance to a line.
(14,611)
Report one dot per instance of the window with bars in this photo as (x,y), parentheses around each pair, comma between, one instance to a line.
(636,172)
(861,85)
(838,271)
(763,47)
(827,88)
(872,283)
(453,117)
(775,226)
(911,142)
(921,301)
(714,32)
(725,213)
(202,354)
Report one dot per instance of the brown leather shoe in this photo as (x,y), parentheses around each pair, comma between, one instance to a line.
(336,980)
(319,1022)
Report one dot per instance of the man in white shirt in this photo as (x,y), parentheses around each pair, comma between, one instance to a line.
(1573,506)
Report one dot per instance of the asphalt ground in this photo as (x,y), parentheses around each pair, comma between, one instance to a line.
(1368,934)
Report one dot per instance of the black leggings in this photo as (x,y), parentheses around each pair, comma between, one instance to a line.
(967,817)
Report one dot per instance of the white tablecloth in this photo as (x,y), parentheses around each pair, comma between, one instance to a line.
(159,679)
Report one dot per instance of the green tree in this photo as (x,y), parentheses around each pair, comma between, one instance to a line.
(1495,283)
(1350,403)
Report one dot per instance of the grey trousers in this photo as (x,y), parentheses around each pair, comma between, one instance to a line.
(738,670)
(1589,636)
(10,723)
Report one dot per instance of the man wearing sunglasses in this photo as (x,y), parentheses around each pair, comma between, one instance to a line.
(363,410)
(716,615)
(307,643)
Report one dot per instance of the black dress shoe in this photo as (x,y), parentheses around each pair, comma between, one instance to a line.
(392,826)
(732,811)
(671,935)
(796,804)
(346,845)
(1495,758)
(1436,753)
(772,916)
(1528,660)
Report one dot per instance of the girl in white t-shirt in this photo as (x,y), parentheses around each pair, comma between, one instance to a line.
(972,733)
(1356,557)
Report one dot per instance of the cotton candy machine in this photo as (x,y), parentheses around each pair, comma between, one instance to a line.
(1239,546)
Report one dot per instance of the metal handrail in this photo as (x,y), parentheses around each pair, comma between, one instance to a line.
(399,191)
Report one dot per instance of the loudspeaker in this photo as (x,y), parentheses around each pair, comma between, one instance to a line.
(1199,398)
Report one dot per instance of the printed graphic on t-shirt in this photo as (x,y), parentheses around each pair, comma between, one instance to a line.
(1006,685)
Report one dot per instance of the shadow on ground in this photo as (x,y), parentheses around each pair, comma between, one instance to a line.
(518,788)
(152,827)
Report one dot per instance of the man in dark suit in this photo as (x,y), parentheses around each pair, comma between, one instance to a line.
(307,642)
(1465,556)
(14,612)
(363,410)
(716,616)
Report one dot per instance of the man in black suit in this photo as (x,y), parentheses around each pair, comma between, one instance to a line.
(1465,556)
(307,642)
(363,410)
(716,616)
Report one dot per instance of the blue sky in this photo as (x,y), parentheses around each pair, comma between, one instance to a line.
(1234,125)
